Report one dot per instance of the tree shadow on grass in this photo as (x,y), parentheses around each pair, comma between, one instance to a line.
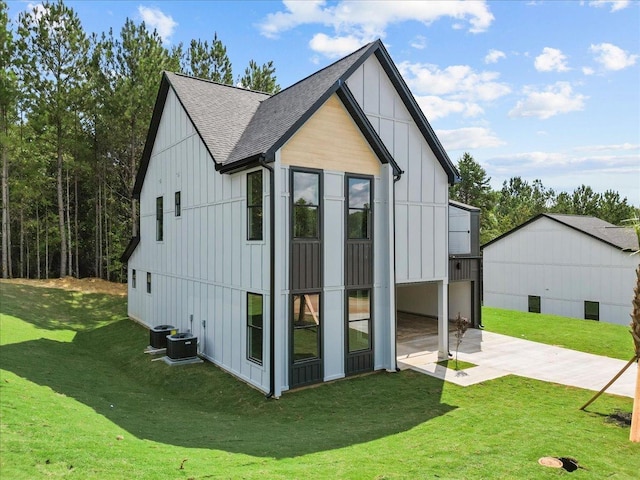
(201,406)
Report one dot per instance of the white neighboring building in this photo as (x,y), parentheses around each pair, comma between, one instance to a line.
(570,265)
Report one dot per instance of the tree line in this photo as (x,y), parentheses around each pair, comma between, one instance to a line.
(519,200)
(74,114)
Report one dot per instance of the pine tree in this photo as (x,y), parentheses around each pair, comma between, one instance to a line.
(53,48)
(260,79)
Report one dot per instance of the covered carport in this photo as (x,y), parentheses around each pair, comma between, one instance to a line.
(422,310)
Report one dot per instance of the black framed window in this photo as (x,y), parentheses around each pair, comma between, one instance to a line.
(148,282)
(133,278)
(359,208)
(534,303)
(159,219)
(359,320)
(591,310)
(306,326)
(254,327)
(254,205)
(306,209)
(178,204)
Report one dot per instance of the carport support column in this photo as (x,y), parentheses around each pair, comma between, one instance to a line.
(443,320)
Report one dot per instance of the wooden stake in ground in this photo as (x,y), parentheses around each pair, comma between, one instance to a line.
(634,436)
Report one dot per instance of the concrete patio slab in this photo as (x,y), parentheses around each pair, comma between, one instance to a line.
(497,355)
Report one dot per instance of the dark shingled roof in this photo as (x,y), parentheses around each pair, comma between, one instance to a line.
(240,127)
(623,238)
(220,113)
(279,114)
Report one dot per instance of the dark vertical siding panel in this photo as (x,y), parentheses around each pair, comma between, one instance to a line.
(359,271)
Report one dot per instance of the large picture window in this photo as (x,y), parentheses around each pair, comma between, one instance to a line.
(359,213)
(306,326)
(359,320)
(254,327)
(159,220)
(254,205)
(306,196)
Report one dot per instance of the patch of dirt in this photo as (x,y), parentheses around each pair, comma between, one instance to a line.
(620,418)
(84,285)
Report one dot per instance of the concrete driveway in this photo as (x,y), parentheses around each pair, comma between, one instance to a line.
(497,355)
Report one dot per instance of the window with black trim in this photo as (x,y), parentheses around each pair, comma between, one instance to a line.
(254,327)
(591,310)
(133,278)
(178,204)
(306,193)
(306,326)
(254,205)
(159,219)
(148,282)
(359,320)
(359,201)
(534,303)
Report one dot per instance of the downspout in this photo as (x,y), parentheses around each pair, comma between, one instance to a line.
(396,177)
(272,275)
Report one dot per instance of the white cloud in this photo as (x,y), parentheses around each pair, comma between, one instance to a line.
(551,60)
(493,56)
(420,42)
(588,70)
(468,138)
(334,46)
(437,107)
(455,89)
(553,100)
(607,148)
(615,4)
(460,82)
(367,20)
(612,57)
(154,17)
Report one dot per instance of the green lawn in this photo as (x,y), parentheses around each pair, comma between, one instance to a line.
(79,399)
(588,336)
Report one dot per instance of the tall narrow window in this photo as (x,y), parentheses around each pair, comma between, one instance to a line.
(254,327)
(254,205)
(306,218)
(534,303)
(159,220)
(358,222)
(359,320)
(148,282)
(133,278)
(178,204)
(306,327)
(591,310)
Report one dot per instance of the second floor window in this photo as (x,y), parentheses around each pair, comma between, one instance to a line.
(159,220)
(254,205)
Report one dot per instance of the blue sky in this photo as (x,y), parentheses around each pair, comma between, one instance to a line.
(539,89)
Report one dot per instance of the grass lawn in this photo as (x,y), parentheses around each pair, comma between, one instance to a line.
(79,399)
(599,338)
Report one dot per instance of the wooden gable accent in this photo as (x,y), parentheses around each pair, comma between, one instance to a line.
(330,140)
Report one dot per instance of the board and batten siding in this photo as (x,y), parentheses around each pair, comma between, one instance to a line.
(421,194)
(562,266)
(459,231)
(204,266)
